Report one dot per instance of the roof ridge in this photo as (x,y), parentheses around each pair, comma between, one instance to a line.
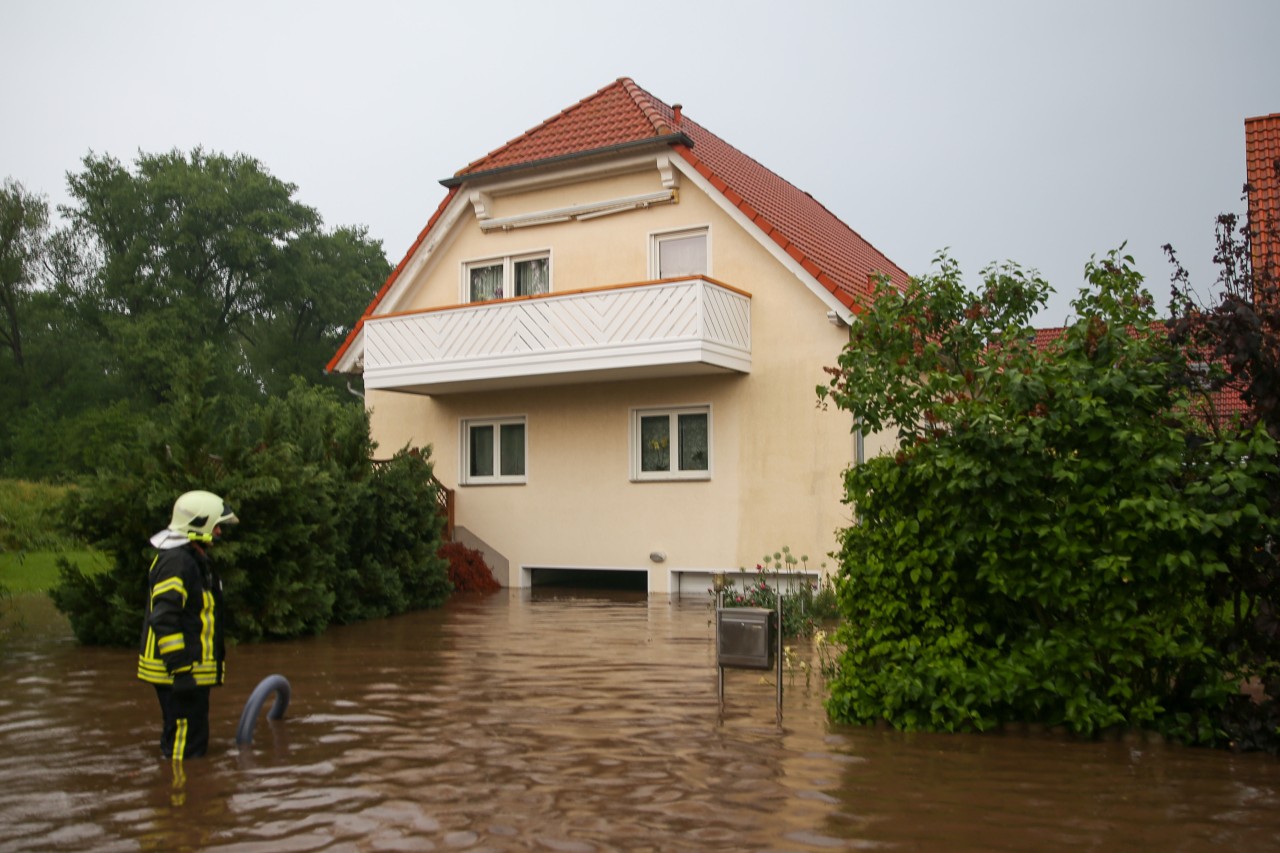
(619,83)
(646,102)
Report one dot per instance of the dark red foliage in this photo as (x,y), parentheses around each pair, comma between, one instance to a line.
(467,569)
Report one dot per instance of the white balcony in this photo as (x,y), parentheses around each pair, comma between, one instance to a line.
(678,327)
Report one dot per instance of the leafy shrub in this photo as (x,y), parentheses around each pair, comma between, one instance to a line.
(468,572)
(1045,544)
(323,535)
(31,518)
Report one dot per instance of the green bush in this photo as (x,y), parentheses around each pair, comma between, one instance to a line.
(324,536)
(31,517)
(1045,544)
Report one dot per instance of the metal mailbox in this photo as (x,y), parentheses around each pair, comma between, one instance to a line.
(748,637)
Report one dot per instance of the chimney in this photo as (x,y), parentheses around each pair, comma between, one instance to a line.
(677,108)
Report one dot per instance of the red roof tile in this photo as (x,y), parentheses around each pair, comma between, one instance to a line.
(622,113)
(1262,170)
(617,114)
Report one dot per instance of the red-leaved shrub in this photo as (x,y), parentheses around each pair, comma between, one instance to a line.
(467,569)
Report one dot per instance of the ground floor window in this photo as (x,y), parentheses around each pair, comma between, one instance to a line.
(671,444)
(494,450)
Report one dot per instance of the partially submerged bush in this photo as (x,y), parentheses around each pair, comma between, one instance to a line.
(323,536)
(468,571)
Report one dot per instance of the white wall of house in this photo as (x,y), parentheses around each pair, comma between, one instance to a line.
(777,459)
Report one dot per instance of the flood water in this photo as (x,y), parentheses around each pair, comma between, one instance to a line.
(563,722)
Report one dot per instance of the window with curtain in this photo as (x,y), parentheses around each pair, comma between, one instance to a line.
(671,444)
(494,451)
(532,276)
(486,282)
(503,278)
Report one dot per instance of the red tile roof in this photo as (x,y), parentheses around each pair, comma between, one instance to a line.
(617,114)
(1262,171)
(623,114)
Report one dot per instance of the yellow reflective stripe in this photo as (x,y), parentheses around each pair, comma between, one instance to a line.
(153,672)
(168,586)
(171,643)
(206,627)
(180,741)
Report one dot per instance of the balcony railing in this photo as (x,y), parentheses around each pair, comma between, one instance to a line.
(674,327)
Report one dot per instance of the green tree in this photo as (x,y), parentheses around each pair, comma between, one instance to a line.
(41,376)
(184,246)
(157,256)
(1044,542)
(297,470)
(24,225)
(321,283)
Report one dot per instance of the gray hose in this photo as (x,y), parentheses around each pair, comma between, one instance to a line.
(277,684)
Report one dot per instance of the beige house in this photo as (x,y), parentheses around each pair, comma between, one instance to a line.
(610,332)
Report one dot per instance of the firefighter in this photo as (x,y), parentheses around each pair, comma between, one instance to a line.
(182,635)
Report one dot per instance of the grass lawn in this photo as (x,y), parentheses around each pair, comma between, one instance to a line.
(37,571)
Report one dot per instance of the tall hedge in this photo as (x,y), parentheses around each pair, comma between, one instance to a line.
(1048,541)
(324,535)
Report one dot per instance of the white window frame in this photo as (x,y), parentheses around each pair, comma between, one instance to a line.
(673,413)
(508,263)
(656,239)
(466,478)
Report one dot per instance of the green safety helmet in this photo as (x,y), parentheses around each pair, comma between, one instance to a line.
(197,513)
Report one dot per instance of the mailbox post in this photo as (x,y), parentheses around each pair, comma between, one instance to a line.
(748,638)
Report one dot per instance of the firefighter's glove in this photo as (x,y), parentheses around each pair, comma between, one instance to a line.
(184,683)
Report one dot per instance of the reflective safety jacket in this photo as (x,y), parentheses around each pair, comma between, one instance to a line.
(183,628)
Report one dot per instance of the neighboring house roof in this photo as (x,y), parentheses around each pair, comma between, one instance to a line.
(621,115)
(1224,404)
(1262,171)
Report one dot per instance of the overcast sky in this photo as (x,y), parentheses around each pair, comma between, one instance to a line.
(1040,132)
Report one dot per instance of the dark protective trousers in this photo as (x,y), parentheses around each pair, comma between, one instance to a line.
(186,721)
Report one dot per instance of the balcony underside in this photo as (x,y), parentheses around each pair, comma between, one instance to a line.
(663,329)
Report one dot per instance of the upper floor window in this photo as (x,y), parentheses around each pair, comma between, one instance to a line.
(507,277)
(671,444)
(679,253)
(493,451)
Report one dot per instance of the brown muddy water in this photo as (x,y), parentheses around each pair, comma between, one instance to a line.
(563,722)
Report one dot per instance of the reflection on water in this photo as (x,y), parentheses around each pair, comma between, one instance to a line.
(563,721)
